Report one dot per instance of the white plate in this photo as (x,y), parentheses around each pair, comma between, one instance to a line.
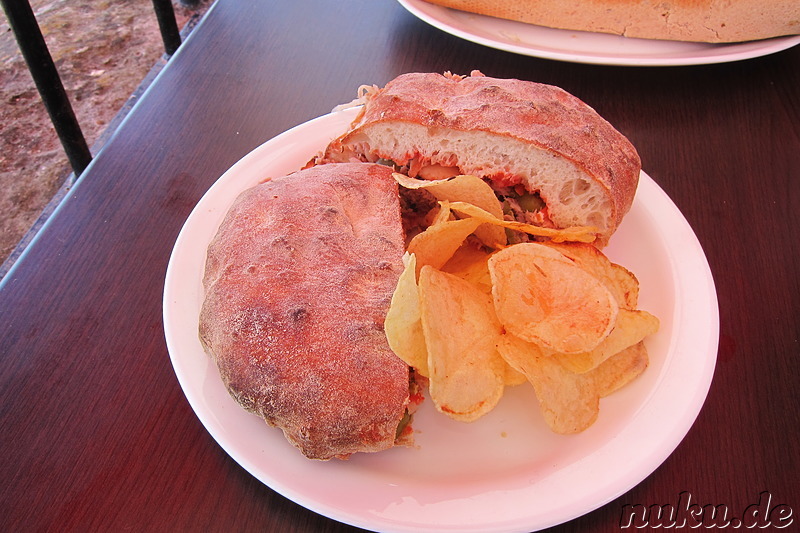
(507,471)
(586,47)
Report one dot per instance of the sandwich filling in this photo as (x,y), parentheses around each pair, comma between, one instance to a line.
(518,203)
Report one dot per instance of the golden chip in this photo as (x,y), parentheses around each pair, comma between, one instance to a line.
(569,402)
(619,369)
(403,325)
(576,233)
(627,285)
(471,263)
(543,297)
(465,188)
(622,284)
(437,244)
(441,214)
(513,377)
(466,372)
(631,328)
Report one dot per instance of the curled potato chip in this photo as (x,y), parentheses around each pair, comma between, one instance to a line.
(542,297)
(466,373)
(631,328)
(622,283)
(464,188)
(513,377)
(569,402)
(403,325)
(471,263)
(437,244)
(627,286)
(620,369)
(443,214)
(576,233)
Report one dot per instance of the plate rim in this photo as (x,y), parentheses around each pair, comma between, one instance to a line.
(430,13)
(647,186)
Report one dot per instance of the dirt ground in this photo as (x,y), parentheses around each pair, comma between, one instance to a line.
(103,50)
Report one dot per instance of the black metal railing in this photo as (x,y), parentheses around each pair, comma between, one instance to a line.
(34,50)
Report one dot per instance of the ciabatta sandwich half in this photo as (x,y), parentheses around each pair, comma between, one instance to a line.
(551,158)
(298,280)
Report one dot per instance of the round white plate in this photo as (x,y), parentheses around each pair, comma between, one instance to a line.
(586,47)
(506,471)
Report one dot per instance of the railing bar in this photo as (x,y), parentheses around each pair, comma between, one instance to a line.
(45,76)
(168,25)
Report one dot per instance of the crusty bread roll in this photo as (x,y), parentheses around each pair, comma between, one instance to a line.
(298,280)
(515,134)
(712,21)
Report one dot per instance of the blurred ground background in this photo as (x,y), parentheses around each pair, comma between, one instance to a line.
(104,50)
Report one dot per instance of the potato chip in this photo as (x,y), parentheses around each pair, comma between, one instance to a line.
(622,283)
(627,285)
(466,371)
(620,369)
(403,325)
(464,188)
(437,244)
(576,233)
(569,402)
(471,263)
(631,328)
(513,377)
(543,297)
(442,214)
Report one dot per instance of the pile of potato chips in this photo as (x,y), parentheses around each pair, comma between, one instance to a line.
(474,314)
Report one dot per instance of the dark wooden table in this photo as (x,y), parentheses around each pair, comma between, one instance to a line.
(96,433)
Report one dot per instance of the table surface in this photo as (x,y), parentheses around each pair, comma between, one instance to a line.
(96,432)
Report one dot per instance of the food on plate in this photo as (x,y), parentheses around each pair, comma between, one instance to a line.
(713,21)
(465,188)
(403,324)
(631,327)
(475,319)
(437,245)
(465,371)
(619,280)
(573,233)
(450,238)
(298,281)
(543,297)
(552,160)
(570,402)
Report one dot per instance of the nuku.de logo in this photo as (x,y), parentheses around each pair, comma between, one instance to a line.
(692,515)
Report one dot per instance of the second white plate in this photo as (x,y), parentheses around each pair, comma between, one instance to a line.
(586,47)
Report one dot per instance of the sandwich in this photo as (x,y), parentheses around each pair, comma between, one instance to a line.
(297,283)
(713,21)
(300,275)
(551,158)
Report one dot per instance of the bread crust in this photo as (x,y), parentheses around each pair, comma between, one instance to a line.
(298,280)
(713,21)
(539,115)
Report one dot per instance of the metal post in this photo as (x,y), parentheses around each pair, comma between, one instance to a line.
(168,25)
(45,76)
